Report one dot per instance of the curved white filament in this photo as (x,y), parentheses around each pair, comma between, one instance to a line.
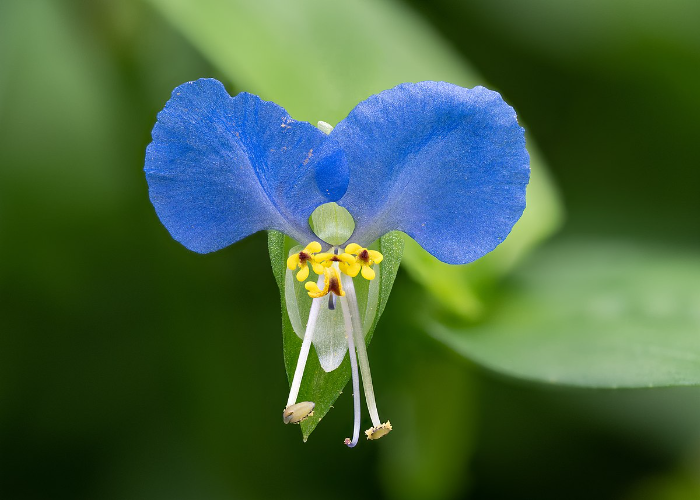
(353,369)
(361,349)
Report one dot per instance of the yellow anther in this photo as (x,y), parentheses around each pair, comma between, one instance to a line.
(302,260)
(353,248)
(331,283)
(364,261)
(327,259)
(379,431)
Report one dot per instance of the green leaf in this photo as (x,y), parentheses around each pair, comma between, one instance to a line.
(318,59)
(679,484)
(594,314)
(318,386)
(80,129)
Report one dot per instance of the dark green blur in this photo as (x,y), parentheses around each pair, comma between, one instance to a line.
(131,368)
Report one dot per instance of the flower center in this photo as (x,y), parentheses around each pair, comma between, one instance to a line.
(331,283)
(335,269)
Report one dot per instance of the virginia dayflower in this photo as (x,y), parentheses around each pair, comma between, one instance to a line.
(444,164)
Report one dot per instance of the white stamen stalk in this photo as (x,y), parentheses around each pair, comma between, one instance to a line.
(349,289)
(353,369)
(305,347)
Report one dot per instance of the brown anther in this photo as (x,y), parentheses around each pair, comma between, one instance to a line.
(334,286)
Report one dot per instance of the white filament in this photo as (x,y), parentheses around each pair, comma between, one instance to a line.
(353,369)
(304,353)
(349,289)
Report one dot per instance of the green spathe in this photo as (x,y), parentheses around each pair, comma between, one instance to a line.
(317,385)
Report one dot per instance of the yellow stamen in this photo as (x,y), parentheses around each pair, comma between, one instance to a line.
(353,248)
(314,291)
(331,283)
(302,260)
(303,272)
(318,268)
(313,247)
(293,261)
(327,259)
(364,261)
(375,256)
(322,257)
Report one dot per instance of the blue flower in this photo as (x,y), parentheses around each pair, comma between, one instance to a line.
(444,164)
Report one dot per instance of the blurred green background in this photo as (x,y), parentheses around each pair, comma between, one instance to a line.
(131,368)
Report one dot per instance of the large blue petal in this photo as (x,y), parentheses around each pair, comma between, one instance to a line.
(444,164)
(220,168)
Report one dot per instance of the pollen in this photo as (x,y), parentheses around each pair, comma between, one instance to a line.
(331,283)
(364,260)
(303,259)
(298,412)
(379,431)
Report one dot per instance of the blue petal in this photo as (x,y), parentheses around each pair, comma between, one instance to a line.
(221,168)
(444,164)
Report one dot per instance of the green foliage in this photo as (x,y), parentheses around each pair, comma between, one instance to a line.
(332,223)
(317,59)
(593,314)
